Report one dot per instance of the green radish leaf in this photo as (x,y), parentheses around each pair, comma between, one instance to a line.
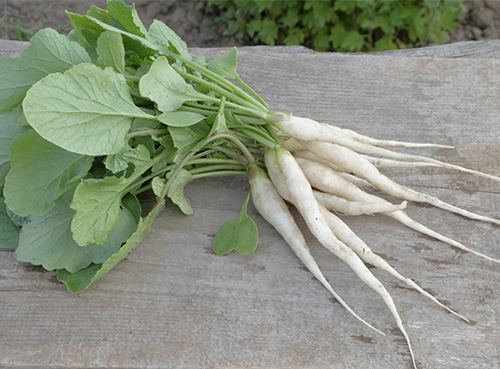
(225,65)
(87,32)
(140,158)
(127,16)
(163,36)
(9,231)
(133,205)
(81,280)
(16,219)
(111,51)
(132,42)
(142,40)
(40,174)
(49,52)
(166,88)
(86,110)
(180,118)
(22,124)
(47,240)
(157,184)
(101,14)
(97,201)
(176,191)
(8,124)
(97,205)
(116,163)
(239,234)
(77,282)
(190,138)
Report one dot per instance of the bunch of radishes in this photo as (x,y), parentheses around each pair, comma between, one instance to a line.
(114,110)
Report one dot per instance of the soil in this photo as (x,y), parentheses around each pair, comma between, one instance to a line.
(481,20)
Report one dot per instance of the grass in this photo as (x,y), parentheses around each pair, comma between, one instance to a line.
(22,32)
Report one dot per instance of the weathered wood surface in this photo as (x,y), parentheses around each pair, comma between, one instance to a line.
(174,304)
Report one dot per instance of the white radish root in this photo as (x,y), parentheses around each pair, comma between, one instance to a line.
(376,142)
(335,161)
(389,163)
(347,158)
(310,130)
(346,235)
(273,209)
(327,180)
(307,205)
(349,207)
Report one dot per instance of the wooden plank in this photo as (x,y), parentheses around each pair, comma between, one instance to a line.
(175,304)
(11,48)
(484,49)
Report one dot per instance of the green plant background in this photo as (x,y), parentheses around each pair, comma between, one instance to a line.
(337,25)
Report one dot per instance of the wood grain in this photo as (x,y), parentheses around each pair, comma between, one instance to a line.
(174,304)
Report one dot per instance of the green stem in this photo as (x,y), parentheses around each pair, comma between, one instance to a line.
(206,161)
(221,81)
(145,133)
(259,136)
(255,94)
(232,154)
(222,173)
(131,78)
(215,168)
(237,102)
(237,142)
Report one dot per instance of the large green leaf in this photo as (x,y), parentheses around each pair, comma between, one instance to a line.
(9,232)
(166,88)
(47,240)
(97,205)
(97,201)
(49,52)
(41,173)
(79,281)
(8,132)
(86,110)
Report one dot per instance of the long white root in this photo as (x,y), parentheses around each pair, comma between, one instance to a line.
(302,197)
(273,209)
